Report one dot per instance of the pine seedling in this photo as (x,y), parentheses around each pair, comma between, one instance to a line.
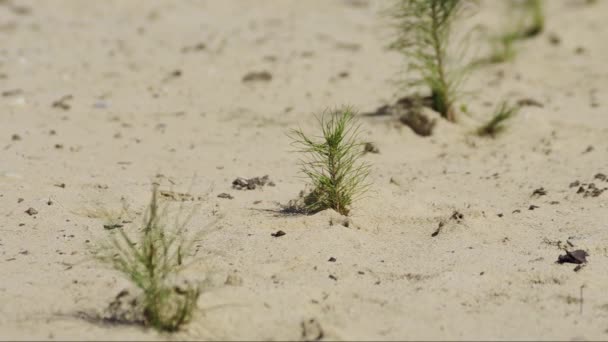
(333,162)
(153,264)
(424,30)
(496,124)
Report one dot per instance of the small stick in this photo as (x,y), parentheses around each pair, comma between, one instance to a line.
(582,299)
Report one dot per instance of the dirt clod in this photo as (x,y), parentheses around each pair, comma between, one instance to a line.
(590,190)
(62,103)
(419,123)
(194,48)
(554,39)
(112,226)
(124,309)
(539,192)
(529,102)
(371,148)
(409,111)
(257,76)
(31,211)
(12,92)
(279,233)
(225,195)
(179,196)
(457,216)
(241,183)
(575,257)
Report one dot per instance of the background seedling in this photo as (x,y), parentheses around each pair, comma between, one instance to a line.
(332,163)
(503,48)
(525,20)
(424,30)
(153,264)
(496,124)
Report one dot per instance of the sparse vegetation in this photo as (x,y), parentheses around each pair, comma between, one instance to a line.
(496,124)
(503,48)
(333,163)
(525,20)
(424,30)
(535,8)
(153,264)
(112,217)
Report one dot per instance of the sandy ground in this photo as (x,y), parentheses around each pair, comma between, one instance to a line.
(156,88)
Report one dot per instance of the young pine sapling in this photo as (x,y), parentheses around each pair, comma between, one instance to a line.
(153,263)
(424,31)
(333,162)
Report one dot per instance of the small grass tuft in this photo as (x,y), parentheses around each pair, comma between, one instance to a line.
(525,19)
(332,163)
(153,263)
(496,124)
(424,29)
(536,10)
(503,48)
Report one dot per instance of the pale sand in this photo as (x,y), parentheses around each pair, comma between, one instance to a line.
(488,277)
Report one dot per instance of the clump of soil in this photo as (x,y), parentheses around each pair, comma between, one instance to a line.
(576,257)
(179,196)
(590,189)
(529,102)
(296,206)
(371,148)
(409,111)
(254,76)
(31,211)
(252,183)
(277,234)
(62,103)
(124,309)
(539,192)
(456,217)
(194,48)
